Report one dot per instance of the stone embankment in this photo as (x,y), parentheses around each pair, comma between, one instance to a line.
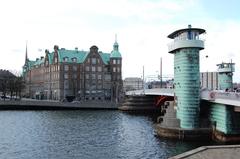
(55,105)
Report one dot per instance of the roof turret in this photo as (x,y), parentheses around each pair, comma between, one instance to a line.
(115,53)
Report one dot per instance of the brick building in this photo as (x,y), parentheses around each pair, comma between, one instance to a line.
(76,74)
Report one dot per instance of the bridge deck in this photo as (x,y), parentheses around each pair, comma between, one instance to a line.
(227,98)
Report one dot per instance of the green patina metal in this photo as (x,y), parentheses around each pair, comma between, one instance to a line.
(186,48)
(70,55)
(225,73)
(115,53)
(225,118)
(186,79)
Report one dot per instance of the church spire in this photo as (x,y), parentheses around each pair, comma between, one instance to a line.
(115,45)
(26,55)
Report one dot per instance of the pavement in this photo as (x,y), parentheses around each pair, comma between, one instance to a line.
(211,152)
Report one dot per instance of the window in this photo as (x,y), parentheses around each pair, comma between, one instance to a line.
(87,86)
(66,68)
(93,76)
(65,76)
(118,69)
(93,68)
(94,61)
(118,77)
(99,86)
(99,77)
(87,76)
(55,60)
(66,84)
(114,69)
(99,69)
(88,60)
(98,61)
(74,68)
(114,61)
(87,68)
(75,76)
(119,61)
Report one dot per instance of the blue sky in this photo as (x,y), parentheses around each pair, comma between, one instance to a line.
(142,27)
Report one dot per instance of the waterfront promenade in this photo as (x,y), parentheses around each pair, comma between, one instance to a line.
(212,152)
(26,104)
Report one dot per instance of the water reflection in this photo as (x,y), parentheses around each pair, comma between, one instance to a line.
(82,134)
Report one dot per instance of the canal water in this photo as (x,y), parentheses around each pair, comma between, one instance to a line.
(84,135)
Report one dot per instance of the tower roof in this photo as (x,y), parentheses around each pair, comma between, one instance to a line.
(172,35)
(115,53)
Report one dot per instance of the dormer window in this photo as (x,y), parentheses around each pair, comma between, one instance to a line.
(74,59)
(65,59)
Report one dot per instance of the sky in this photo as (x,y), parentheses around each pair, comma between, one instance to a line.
(142,27)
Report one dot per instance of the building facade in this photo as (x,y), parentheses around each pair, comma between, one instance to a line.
(209,80)
(75,74)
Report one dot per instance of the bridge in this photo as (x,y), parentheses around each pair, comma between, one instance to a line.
(215,96)
(219,107)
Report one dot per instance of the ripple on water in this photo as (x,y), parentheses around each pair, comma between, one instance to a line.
(82,134)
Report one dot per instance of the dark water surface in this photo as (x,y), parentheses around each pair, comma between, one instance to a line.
(83,134)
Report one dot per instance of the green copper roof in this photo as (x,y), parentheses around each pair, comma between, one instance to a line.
(71,54)
(105,57)
(115,54)
(38,62)
(50,57)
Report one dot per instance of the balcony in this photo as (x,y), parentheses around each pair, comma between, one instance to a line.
(226,69)
(181,44)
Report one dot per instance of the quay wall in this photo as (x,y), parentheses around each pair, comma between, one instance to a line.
(55,105)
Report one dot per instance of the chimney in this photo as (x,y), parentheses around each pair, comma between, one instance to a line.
(76,48)
(56,48)
(46,51)
(37,59)
(42,57)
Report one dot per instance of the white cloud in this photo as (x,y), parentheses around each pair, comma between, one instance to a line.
(142,27)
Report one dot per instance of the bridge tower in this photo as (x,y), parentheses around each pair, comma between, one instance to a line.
(225,73)
(185,47)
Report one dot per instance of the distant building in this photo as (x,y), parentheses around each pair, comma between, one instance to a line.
(156,84)
(209,80)
(132,83)
(74,74)
(5,77)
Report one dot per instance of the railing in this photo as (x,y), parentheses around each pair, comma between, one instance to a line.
(156,91)
(231,98)
(177,44)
